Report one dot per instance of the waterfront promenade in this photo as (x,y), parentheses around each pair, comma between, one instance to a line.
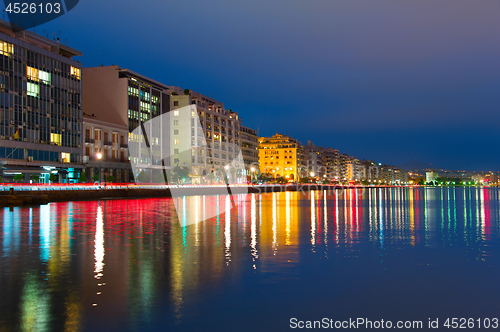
(19,195)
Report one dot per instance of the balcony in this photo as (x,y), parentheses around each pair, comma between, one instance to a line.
(89,140)
(124,145)
(106,143)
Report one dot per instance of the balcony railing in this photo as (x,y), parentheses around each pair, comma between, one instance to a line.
(124,145)
(89,140)
(106,143)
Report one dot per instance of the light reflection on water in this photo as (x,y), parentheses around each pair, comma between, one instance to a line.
(134,264)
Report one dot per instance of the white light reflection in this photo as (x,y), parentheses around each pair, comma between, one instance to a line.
(253,243)
(336,217)
(99,244)
(227,230)
(196,220)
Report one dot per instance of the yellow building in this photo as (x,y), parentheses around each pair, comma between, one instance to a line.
(278,156)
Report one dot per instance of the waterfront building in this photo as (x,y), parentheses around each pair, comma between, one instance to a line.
(120,98)
(431,176)
(40,107)
(250,149)
(109,141)
(280,155)
(206,138)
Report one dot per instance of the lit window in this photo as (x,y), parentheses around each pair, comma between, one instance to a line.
(44,76)
(65,157)
(176,113)
(55,138)
(32,73)
(33,89)
(76,72)
(176,122)
(176,141)
(6,48)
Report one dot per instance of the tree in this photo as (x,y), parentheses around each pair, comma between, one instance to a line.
(186,92)
(53,178)
(110,178)
(35,178)
(175,94)
(281,180)
(83,177)
(18,177)
(1,179)
(95,177)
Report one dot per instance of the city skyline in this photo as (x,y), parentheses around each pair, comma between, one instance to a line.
(419,84)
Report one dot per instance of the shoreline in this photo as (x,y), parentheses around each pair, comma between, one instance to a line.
(42,197)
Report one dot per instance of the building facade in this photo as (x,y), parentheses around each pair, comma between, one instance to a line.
(250,149)
(279,156)
(206,138)
(109,141)
(119,98)
(40,108)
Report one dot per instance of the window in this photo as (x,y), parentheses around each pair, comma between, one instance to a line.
(176,161)
(176,122)
(115,137)
(176,103)
(76,72)
(176,131)
(44,76)
(65,157)
(176,113)
(176,141)
(176,151)
(32,73)
(97,135)
(6,48)
(55,138)
(33,89)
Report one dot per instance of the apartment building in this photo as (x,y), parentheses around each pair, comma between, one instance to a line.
(280,156)
(121,99)
(250,148)
(40,107)
(109,141)
(206,138)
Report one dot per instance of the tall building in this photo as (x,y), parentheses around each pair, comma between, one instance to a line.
(206,138)
(279,156)
(40,107)
(250,149)
(119,98)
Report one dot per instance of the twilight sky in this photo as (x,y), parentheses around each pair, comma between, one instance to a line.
(391,81)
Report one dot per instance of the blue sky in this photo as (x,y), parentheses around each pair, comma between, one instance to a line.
(391,81)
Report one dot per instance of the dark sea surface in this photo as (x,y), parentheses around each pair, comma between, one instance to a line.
(253,262)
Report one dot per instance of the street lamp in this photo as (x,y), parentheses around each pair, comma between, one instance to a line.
(99,156)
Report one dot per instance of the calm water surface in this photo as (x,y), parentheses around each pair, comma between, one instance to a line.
(128,265)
